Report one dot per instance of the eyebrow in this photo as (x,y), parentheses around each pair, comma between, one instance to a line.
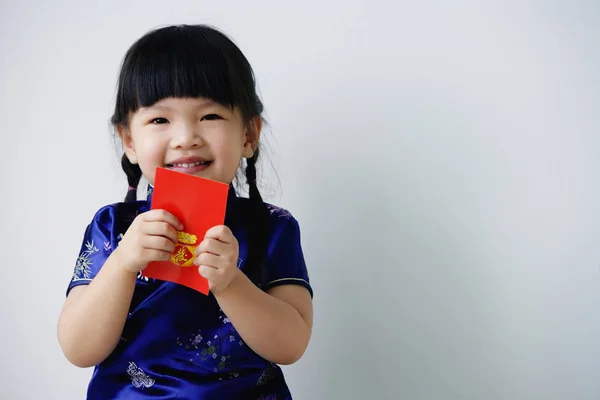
(167,108)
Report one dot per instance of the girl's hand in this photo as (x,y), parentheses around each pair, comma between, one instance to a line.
(151,237)
(217,257)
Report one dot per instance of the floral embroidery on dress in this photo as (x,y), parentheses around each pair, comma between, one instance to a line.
(210,351)
(83,265)
(278,212)
(268,374)
(139,379)
(142,278)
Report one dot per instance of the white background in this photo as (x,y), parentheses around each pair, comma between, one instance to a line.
(442,159)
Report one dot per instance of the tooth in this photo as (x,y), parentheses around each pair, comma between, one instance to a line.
(188,165)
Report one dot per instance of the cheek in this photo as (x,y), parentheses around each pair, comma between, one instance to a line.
(230,154)
(151,147)
(150,155)
(227,145)
(156,155)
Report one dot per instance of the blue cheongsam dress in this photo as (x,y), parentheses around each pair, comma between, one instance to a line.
(177,343)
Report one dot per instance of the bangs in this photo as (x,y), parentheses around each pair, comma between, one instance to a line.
(184,62)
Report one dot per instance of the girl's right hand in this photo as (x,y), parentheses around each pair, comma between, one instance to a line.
(151,237)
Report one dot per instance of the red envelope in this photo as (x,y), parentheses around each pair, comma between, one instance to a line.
(199,204)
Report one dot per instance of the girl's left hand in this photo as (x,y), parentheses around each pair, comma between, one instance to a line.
(217,258)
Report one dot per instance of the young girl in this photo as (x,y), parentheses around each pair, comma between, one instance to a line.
(187,101)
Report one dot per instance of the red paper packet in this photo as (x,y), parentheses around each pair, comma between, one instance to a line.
(199,204)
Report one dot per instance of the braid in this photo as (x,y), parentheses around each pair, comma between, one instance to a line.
(134,174)
(258,234)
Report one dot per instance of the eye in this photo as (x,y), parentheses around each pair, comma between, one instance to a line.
(159,121)
(210,117)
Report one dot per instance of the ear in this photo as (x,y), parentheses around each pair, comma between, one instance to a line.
(251,137)
(127,141)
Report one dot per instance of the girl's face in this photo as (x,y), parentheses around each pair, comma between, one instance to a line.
(191,135)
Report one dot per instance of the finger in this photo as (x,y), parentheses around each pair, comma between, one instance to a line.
(158,255)
(212,246)
(207,272)
(162,215)
(158,243)
(208,259)
(221,233)
(160,228)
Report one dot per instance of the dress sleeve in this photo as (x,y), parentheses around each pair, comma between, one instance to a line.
(98,243)
(285,262)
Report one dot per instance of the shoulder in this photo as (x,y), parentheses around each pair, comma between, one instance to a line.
(119,214)
(277,217)
(278,213)
(283,227)
(282,222)
(120,209)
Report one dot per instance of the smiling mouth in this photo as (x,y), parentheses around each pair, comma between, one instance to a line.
(188,165)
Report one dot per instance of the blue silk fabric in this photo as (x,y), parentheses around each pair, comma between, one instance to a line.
(177,343)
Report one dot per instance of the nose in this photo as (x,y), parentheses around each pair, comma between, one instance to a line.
(186,137)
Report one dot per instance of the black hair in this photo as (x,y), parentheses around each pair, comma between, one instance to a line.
(194,61)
